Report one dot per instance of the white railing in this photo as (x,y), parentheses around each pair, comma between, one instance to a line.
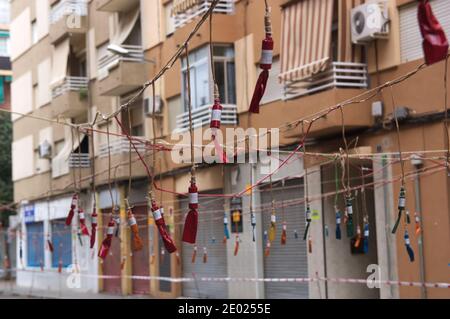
(111,60)
(224,7)
(122,145)
(79,160)
(68,8)
(337,75)
(202,116)
(70,83)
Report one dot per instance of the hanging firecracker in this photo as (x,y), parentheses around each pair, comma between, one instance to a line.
(409,249)
(216,115)
(358,237)
(253,222)
(417,220)
(435,44)
(106,244)
(50,245)
(191,222)
(161,225)
(94,224)
(408,217)
(338,223)
(194,255)
(73,205)
(267,244)
(205,255)
(82,217)
(265,65)
(60,266)
(226,232)
(273,226)
(308,221)
(137,243)
(162,255)
(310,244)
(349,216)
(236,245)
(177,257)
(401,208)
(295,234)
(366,237)
(284,234)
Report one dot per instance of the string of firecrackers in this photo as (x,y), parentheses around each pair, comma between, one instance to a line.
(440,285)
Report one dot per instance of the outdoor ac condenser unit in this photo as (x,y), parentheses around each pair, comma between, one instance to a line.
(45,150)
(370,21)
(148,106)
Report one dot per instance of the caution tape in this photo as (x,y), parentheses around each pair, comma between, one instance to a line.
(441,285)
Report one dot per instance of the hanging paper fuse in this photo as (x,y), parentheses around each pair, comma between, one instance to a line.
(284,234)
(82,217)
(265,65)
(161,225)
(205,255)
(226,232)
(401,208)
(106,244)
(191,222)
(253,222)
(409,249)
(94,224)
(417,220)
(349,216)
(308,221)
(137,243)
(338,223)
(366,238)
(194,255)
(435,44)
(73,205)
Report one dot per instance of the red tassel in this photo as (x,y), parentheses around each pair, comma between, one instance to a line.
(81,215)
(106,244)
(194,255)
(162,228)
(137,243)
(73,205)
(93,226)
(191,222)
(435,44)
(260,89)
(50,245)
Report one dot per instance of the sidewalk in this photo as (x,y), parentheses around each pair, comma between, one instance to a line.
(8,290)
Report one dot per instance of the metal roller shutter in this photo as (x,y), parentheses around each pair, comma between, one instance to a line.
(290,260)
(210,226)
(410,37)
(111,265)
(140,259)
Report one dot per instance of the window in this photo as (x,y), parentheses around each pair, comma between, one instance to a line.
(201,78)
(410,37)
(170,21)
(4,12)
(62,243)
(136,117)
(34,33)
(4,45)
(35,244)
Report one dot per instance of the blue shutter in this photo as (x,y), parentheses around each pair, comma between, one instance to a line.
(62,243)
(35,244)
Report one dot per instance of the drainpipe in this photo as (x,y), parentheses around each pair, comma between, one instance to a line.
(417,162)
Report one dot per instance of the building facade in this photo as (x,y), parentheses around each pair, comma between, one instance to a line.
(72,59)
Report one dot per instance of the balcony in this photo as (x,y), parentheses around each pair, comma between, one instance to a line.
(79,160)
(69,17)
(337,75)
(187,10)
(202,117)
(121,145)
(118,75)
(116,5)
(69,98)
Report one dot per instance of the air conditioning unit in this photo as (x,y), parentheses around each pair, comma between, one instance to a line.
(370,21)
(45,150)
(148,106)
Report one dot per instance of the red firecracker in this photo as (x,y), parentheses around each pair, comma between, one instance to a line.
(73,205)
(435,44)
(106,244)
(94,224)
(194,255)
(60,266)
(50,245)
(358,237)
(205,255)
(191,222)
(216,114)
(265,65)
(137,243)
(162,228)
(236,246)
(284,234)
(82,216)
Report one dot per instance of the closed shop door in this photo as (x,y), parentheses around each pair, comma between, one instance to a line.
(140,259)
(210,235)
(290,260)
(111,265)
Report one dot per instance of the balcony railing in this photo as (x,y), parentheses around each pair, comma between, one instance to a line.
(337,75)
(202,116)
(67,8)
(224,6)
(70,83)
(111,60)
(122,145)
(79,160)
